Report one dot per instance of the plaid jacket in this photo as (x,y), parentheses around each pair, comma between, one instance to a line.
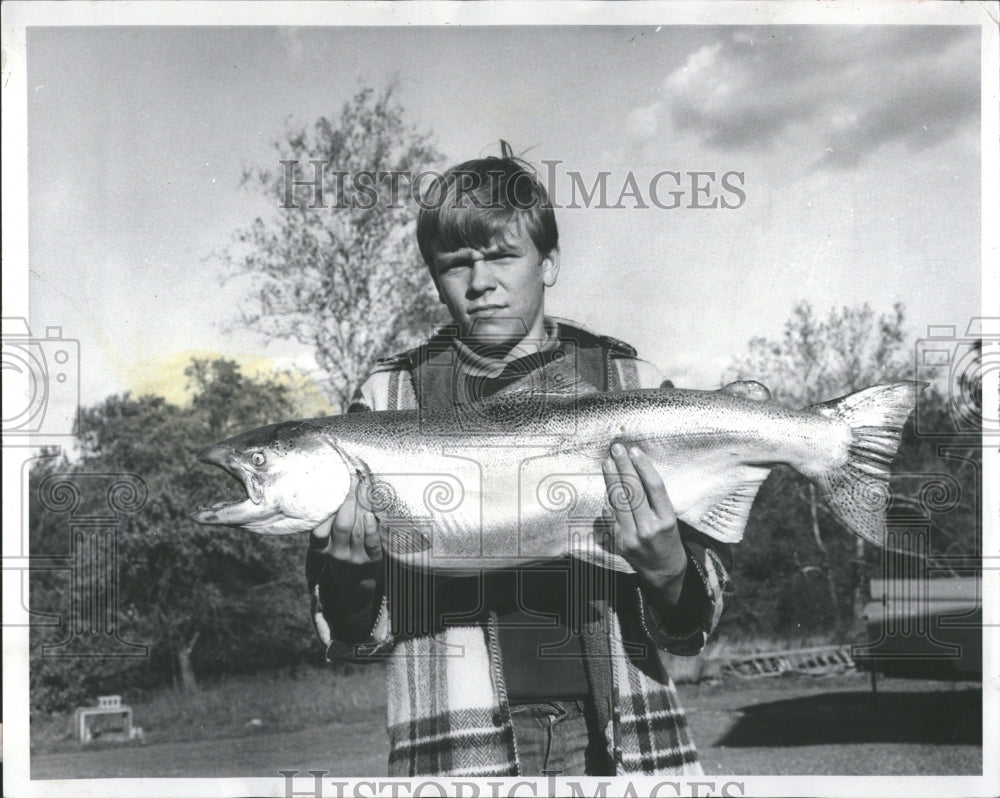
(447,706)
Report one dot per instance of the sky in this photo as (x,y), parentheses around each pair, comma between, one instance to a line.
(858,149)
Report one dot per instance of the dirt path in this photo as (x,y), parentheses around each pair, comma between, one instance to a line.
(802,725)
(787,725)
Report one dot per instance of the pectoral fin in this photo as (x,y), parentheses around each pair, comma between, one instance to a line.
(403,539)
(589,552)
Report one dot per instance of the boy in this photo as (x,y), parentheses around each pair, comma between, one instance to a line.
(552,669)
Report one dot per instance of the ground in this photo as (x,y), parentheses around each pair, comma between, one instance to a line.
(784,725)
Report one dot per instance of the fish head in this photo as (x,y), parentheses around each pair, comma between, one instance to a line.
(292,479)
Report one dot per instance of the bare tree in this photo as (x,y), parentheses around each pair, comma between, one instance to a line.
(336,267)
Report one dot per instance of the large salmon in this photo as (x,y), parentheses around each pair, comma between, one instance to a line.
(518,479)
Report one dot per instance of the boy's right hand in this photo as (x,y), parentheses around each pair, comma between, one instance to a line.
(351,534)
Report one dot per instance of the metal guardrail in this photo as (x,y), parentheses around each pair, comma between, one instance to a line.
(816,661)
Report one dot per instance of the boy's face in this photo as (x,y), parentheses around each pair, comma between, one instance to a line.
(496,294)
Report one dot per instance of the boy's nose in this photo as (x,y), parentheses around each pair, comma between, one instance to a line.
(482,278)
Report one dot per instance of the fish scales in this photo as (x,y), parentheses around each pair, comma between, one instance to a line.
(517,479)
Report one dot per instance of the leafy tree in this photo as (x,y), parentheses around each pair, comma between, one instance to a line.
(814,360)
(340,272)
(208,599)
(818,359)
(940,461)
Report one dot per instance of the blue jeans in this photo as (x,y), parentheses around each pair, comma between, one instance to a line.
(559,737)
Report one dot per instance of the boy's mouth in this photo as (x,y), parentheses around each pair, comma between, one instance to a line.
(485,310)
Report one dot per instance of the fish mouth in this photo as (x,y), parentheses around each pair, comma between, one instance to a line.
(236,511)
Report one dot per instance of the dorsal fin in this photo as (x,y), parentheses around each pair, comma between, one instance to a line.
(748,389)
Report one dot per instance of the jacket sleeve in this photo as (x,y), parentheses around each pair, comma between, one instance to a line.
(702,598)
(706,582)
(349,609)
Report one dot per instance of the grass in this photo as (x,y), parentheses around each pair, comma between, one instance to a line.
(787,725)
(317,696)
(313,697)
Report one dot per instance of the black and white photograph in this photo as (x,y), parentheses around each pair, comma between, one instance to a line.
(501,399)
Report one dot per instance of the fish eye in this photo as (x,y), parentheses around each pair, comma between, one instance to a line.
(258,459)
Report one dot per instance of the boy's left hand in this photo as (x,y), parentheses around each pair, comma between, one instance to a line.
(643,526)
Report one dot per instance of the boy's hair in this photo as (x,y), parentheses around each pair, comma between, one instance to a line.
(477,202)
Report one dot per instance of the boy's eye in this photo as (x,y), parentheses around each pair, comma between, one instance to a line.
(456,262)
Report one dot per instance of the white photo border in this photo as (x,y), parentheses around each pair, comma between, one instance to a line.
(19,16)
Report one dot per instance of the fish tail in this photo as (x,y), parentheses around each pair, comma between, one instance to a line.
(858,491)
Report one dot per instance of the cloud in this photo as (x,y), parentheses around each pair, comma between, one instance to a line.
(643,122)
(840,92)
(292,44)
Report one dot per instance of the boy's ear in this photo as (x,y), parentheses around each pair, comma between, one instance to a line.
(437,287)
(550,268)
(437,284)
